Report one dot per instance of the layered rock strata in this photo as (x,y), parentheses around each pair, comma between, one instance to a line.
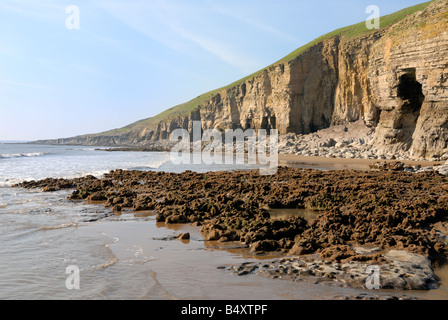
(395,270)
(393,79)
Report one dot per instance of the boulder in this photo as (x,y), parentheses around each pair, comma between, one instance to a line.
(265,245)
(184,236)
(176,218)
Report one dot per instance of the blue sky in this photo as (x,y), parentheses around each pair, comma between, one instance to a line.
(131,60)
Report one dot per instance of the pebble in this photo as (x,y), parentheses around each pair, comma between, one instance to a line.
(354,143)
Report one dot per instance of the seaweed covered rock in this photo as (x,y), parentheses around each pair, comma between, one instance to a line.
(389,209)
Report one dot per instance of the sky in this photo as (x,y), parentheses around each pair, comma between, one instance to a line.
(76,67)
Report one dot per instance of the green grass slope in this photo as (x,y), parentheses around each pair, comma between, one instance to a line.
(352,31)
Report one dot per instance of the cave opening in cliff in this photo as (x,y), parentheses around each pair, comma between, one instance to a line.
(269,123)
(409,89)
(273,122)
(411,96)
(248,124)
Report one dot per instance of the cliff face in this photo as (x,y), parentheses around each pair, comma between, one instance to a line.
(394,79)
(408,72)
(292,97)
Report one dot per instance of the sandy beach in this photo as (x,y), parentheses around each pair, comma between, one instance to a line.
(342,163)
(198,269)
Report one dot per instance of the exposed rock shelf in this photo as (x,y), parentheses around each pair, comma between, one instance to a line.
(396,269)
(392,210)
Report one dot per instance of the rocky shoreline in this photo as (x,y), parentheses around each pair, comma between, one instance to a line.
(402,214)
(354,140)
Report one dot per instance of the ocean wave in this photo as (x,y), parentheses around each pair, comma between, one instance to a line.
(8,182)
(96,173)
(160,163)
(87,149)
(59,226)
(109,263)
(21,155)
(155,165)
(113,259)
(5,183)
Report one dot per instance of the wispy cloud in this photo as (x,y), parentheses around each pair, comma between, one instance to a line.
(45,9)
(221,50)
(176,25)
(69,67)
(90,70)
(6,51)
(259,25)
(125,47)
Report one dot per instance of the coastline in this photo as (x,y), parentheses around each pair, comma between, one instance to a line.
(303,161)
(226,219)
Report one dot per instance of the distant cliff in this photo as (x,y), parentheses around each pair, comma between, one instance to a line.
(395,79)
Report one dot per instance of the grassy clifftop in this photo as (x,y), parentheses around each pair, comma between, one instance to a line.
(348,32)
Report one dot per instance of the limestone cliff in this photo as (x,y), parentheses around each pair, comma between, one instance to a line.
(395,79)
(408,72)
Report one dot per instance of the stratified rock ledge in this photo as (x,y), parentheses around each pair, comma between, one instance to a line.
(396,270)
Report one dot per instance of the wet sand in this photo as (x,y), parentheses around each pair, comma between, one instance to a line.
(326,163)
(194,269)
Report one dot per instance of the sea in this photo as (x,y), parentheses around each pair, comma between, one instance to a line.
(52,248)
